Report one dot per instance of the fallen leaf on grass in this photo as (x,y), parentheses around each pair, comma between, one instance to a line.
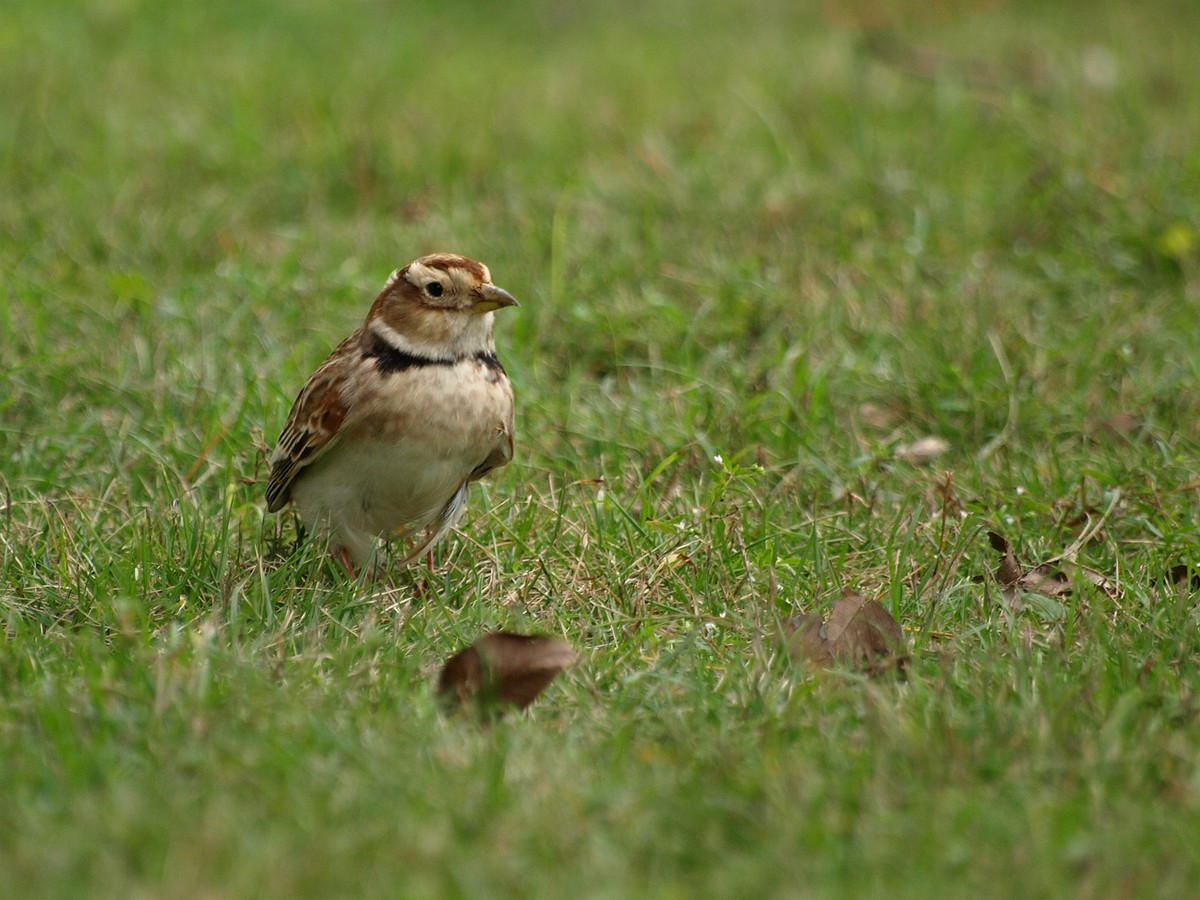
(1183,576)
(1122,427)
(922,451)
(879,416)
(860,633)
(1054,578)
(504,669)
(1009,572)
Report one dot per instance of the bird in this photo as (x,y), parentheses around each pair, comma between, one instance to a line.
(387,435)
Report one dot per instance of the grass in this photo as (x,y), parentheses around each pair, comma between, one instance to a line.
(756,254)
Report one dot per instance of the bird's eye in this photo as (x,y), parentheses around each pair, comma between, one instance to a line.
(434,289)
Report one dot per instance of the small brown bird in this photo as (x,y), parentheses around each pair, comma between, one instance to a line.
(389,432)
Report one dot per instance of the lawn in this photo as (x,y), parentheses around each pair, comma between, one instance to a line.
(761,251)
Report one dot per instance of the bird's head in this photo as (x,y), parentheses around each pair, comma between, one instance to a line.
(439,305)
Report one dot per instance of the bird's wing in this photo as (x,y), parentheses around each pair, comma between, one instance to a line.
(313,426)
(501,455)
(502,452)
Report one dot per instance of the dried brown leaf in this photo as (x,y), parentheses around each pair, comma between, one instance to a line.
(1122,427)
(1053,578)
(878,416)
(922,451)
(842,616)
(1009,572)
(860,633)
(1183,576)
(807,640)
(1094,577)
(1045,580)
(503,668)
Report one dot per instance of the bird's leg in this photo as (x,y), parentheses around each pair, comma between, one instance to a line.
(343,556)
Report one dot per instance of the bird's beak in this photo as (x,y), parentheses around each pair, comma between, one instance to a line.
(492,297)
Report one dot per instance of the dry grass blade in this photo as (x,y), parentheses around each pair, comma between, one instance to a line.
(504,669)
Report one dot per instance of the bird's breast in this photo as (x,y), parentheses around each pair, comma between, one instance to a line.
(452,407)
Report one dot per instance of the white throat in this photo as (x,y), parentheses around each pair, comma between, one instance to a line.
(475,336)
